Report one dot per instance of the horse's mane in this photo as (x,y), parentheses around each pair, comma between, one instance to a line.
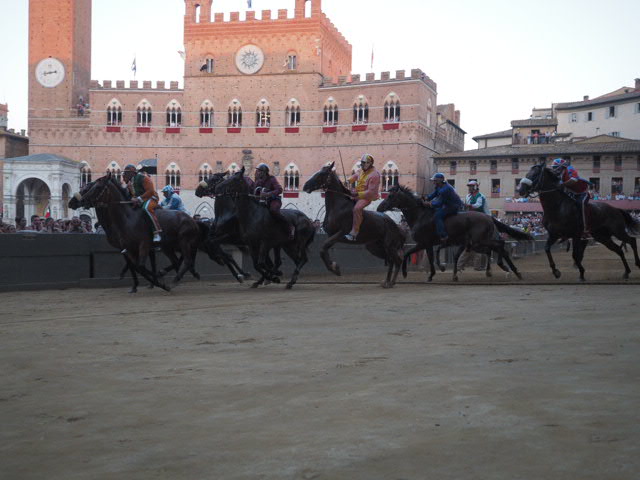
(408,191)
(124,191)
(337,178)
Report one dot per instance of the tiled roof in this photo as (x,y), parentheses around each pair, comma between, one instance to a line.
(512,151)
(598,101)
(502,134)
(534,122)
(41,157)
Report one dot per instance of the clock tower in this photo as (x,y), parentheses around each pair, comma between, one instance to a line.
(59,60)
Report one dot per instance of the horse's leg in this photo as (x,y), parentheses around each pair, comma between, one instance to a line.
(579,246)
(333,267)
(396,261)
(441,267)
(255,258)
(188,260)
(551,239)
(632,241)
(432,268)
(614,247)
(507,257)
(455,262)
(487,270)
(408,254)
(134,276)
(138,265)
(301,259)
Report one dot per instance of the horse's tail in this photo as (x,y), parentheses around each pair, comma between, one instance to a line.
(512,232)
(632,224)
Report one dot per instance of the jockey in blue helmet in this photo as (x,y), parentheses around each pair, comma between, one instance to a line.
(446,202)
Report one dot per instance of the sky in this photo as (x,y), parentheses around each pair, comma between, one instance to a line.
(494,59)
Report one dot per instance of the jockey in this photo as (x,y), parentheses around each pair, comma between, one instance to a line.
(476,201)
(172,200)
(145,195)
(446,202)
(578,187)
(367,184)
(269,190)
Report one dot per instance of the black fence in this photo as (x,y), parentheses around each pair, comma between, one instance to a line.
(33,261)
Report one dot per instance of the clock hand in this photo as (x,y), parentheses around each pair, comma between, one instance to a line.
(49,73)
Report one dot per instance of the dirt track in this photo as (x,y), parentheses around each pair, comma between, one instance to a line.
(326,381)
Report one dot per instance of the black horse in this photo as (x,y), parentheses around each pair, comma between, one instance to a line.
(472,230)
(561,219)
(379,233)
(130,229)
(262,233)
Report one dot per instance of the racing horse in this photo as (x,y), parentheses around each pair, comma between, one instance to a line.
(129,229)
(561,220)
(378,233)
(261,231)
(473,230)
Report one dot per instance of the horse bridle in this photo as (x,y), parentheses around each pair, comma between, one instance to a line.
(535,186)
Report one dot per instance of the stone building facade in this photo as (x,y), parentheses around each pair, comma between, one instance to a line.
(12,144)
(611,164)
(277,89)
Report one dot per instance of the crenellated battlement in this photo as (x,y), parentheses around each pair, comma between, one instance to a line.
(160,85)
(197,21)
(400,75)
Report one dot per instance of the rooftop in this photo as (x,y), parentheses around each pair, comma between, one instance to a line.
(547,150)
(502,134)
(599,101)
(534,122)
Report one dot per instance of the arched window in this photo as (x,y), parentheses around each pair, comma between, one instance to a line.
(208,65)
(205,172)
(292,178)
(263,114)
(361,110)
(292,113)
(174,114)
(233,168)
(235,114)
(114,169)
(392,108)
(144,114)
(389,176)
(114,113)
(85,174)
(172,176)
(206,114)
(330,112)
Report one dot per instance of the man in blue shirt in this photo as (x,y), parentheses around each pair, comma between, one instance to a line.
(446,202)
(172,200)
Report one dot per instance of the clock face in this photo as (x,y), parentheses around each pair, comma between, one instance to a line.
(50,72)
(249,59)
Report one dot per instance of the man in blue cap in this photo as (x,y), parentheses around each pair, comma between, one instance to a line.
(446,202)
(172,200)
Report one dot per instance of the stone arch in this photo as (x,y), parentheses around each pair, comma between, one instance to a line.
(144,111)
(33,196)
(205,210)
(392,108)
(206,114)
(263,113)
(114,112)
(235,113)
(361,110)
(390,176)
(330,112)
(291,178)
(172,175)
(174,113)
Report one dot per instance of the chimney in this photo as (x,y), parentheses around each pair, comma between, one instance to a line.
(585,98)
(637,83)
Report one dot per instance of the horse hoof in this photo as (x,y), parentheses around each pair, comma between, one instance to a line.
(196,276)
(386,285)
(335,268)
(455,279)
(255,285)
(519,275)
(625,276)
(489,274)
(443,268)
(150,287)
(430,279)
(289,286)
(240,278)
(133,290)
(556,273)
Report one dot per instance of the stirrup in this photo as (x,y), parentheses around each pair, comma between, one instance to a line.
(157,238)
(351,238)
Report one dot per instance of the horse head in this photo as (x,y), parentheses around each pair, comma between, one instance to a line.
(399,198)
(98,193)
(234,184)
(207,187)
(322,179)
(539,178)
(76,201)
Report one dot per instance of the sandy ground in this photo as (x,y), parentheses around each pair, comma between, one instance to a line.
(328,381)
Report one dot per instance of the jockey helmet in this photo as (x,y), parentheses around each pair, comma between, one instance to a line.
(559,164)
(168,189)
(264,167)
(366,158)
(438,176)
(130,168)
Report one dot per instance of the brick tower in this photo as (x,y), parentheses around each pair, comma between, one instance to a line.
(59,60)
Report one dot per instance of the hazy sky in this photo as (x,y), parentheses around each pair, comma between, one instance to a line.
(495,59)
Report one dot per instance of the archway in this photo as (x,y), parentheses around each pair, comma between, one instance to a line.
(32,198)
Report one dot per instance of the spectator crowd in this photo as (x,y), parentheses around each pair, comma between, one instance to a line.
(50,225)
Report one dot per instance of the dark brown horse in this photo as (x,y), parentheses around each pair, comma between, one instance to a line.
(472,230)
(561,220)
(378,233)
(262,233)
(130,228)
